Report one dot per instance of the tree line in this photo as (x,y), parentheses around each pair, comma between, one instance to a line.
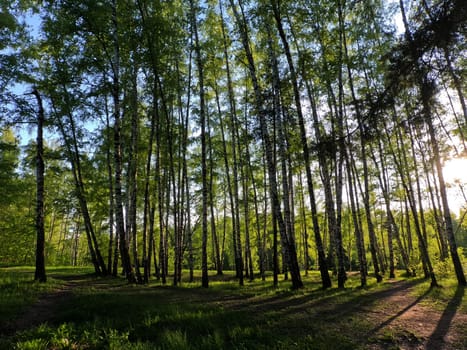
(256,136)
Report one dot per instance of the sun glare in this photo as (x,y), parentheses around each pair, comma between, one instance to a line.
(455,171)
(455,175)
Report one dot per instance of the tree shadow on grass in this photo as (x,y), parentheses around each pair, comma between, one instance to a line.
(400,313)
(436,339)
(212,319)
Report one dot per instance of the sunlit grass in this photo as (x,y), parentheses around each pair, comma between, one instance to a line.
(108,313)
(448,293)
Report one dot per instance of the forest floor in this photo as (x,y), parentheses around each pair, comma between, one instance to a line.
(84,312)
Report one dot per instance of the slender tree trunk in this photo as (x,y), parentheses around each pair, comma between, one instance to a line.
(323,266)
(189,232)
(278,129)
(233,190)
(246,212)
(275,257)
(73,154)
(446,210)
(392,228)
(302,209)
(259,241)
(435,202)
(185,180)
(150,245)
(356,220)
(75,242)
(40,274)
(132,174)
(249,170)
(148,210)
(111,190)
(266,233)
(402,166)
(116,255)
(204,176)
(119,216)
(366,190)
(419,197)
(457,82)
(166,213)
(215,240)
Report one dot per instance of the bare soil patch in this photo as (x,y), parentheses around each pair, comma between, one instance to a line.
(408,322)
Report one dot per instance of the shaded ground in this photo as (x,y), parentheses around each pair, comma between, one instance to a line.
(46,307)
(391,318)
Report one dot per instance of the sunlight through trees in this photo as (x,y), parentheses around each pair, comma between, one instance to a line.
(254,136)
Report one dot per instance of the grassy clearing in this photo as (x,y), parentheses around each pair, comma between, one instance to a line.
(110,314)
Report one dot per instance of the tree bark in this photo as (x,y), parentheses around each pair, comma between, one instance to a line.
(119,218)
(204,136)
(40,274)
(233,187)
(322,263)
(360,240)
(108,154)
(132,173)
(446,210)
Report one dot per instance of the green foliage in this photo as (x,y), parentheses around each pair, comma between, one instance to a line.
(67,336)
(16,229)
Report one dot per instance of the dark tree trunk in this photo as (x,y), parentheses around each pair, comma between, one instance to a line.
(132,174)
(204,136)
(73,154)
(232,184)
(359,236)
(111,192)
(116,255)
(118,156)
(447,214)
(39,274)
(391,225)
(306,250)
(149,209)
(215,240)
(322,263)
(366,189)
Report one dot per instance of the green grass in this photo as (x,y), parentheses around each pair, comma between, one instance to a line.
(108,313)
(18,290)
(447,294)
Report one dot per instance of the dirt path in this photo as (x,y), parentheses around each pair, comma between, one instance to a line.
(44,309)
(397,318)
(404,320)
